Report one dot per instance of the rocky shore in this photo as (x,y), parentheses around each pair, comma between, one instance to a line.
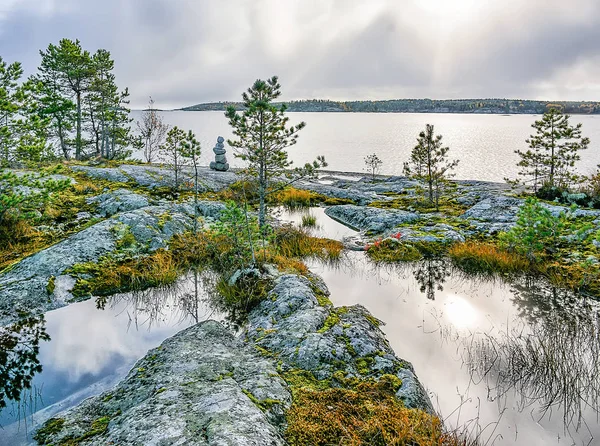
(207,385)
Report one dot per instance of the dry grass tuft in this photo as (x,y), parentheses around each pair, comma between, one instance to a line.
(367,414)
(487,258)
(293,198)
(295,243)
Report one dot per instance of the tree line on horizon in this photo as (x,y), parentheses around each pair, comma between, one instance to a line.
(482,106)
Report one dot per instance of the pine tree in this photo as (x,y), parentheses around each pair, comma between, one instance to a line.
(72,70)
(191,150)
(553,151)
(429,163)
(263,134)
(373,163)
(173,152)
(22,132)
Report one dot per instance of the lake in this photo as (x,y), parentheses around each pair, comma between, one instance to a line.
(484,144)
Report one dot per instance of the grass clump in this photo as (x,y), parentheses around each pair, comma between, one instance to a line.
(309,221)
(294,243)
(483,257)
(391,250)
(111,275)
(293,198)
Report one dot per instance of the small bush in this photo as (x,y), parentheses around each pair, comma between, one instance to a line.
(487,258)
(536,231)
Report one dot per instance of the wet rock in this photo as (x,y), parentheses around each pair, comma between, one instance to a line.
(119,200)
(370,219)
(202,386)
(293,326)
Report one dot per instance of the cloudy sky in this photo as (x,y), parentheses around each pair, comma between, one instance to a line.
(184,52)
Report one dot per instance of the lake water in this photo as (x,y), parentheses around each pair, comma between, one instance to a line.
(484,144)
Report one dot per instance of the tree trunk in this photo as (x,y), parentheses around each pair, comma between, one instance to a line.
(78,135)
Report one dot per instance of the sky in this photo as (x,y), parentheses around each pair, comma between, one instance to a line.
(183,52)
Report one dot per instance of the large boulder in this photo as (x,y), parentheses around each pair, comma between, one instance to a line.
(27,285)
(302,333)
(119,200)
(203,386)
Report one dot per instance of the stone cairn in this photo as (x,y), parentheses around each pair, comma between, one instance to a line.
(220,163)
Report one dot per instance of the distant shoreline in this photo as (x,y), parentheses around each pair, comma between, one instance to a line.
(462,106)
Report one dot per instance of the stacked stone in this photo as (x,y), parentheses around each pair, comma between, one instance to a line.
(220,163)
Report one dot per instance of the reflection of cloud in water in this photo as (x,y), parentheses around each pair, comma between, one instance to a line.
(461,313)
(84,338)
(423,331)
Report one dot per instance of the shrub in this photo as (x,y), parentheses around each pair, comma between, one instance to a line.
(536,231)
(486,258)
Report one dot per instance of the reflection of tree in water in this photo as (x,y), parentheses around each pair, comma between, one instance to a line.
(187,298)
(431,273)
(552,362)
(19,349)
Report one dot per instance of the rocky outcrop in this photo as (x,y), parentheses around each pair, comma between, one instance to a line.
(202,386)
(205,386)
(25,286)
(120,200)
(370,219)
(294,327)
(153,177)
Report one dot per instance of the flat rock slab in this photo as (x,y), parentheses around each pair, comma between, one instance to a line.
(119,200)
(370,219)
(153,177)
(24,287)
(197,388)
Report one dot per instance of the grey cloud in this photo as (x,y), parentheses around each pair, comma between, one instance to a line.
(183,51)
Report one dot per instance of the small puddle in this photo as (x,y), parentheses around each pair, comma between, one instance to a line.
(91,350)
(325,227)
(522,358)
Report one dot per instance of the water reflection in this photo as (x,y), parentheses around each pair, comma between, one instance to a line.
(92,349)
(431,273)
(19,362)
(550,361)
(519,358)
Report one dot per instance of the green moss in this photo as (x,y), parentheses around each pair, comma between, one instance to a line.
(333,319)
(363,364)
(161,390)
(264,405)
(51,285)
(51,427)
(373,320)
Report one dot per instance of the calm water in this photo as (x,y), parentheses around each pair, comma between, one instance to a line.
(484,144)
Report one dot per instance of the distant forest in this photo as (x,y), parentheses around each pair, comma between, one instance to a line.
(491,106)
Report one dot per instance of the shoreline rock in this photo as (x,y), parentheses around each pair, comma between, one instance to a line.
(206,386)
